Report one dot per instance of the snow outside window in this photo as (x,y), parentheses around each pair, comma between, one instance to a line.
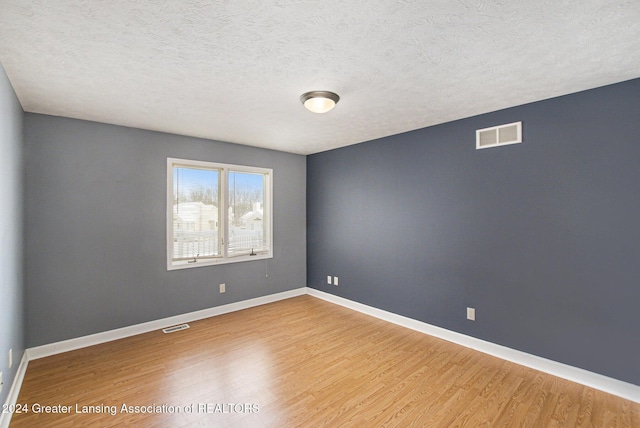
(217,213)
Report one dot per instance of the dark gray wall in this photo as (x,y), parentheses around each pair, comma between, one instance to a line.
(11,267)
(95,229)
(542,238)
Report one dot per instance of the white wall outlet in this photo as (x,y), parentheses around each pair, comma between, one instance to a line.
(223,288)
(10,357)
(0,381)
(329,279)
(471,314)
(335,280)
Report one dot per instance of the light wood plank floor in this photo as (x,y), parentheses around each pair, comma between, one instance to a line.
(303,362)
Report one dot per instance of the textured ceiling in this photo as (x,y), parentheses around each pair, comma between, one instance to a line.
(234,70)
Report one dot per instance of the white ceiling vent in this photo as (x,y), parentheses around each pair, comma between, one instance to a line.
(502,135)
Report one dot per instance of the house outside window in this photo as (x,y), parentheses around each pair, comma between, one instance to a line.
(217,213)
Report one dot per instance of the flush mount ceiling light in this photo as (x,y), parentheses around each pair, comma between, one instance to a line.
(319,101)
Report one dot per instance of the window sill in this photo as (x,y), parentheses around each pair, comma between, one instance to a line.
(171,265)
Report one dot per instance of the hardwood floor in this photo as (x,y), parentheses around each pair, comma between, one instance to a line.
(302,362)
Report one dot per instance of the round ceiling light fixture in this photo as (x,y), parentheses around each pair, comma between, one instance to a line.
(319,101)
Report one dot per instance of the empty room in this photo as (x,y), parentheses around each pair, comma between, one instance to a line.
(299,214)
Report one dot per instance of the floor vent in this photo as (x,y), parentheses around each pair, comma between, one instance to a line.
(502,135)
(175,328)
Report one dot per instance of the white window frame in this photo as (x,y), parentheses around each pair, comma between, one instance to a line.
(223,210)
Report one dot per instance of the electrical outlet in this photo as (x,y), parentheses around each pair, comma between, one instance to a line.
(0,381)
(329,279)
(223,288)
(471,314)
(335,280)
(10,357)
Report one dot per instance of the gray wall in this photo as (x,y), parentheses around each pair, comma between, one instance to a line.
(542,238)
(11,267)
(95,229)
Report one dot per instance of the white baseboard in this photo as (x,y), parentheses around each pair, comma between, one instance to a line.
(617,387)
(612,386)
(120,333)
(12,398)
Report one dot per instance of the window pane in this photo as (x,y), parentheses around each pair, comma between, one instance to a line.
(246,213)
(217,213)
(195,213)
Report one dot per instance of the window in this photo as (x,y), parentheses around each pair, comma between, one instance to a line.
(217,213)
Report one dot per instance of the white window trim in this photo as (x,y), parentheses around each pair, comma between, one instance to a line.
(224,258)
